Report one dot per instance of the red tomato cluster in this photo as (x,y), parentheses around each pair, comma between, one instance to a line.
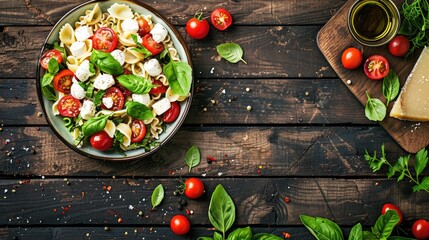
(198,27)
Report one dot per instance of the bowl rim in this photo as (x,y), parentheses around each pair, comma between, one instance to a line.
(188,100)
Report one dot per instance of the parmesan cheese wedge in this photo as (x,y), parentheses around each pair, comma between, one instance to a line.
(413,101)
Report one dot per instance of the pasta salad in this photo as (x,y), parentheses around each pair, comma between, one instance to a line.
(115,78)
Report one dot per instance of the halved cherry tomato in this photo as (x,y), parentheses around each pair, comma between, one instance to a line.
(159,87)
(124,90)
(180,225)
(150,44)
(172,113)
(197,27)
(144,27)
(68,106)
(221,18)
(63,81)
(138,130)
(53,53)
(105,39)
(101,141)
(351,58)
(420,229)
(116,95)
(194,188)
(399,46)
(390,206)
(376,67)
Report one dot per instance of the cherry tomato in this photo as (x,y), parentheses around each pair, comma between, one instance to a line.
(117,97)
(159,87)
(105,39)
(399,46)
(180,225)
(101,141)
(197,27)
(420,229)
(68,106)
(221,18)
(53,53)
(63,81)
(376,67)
(351,58)
(138,130)
(171,114)
(150,44)
(390,206)
(124,91)
(194,188)
(144,27)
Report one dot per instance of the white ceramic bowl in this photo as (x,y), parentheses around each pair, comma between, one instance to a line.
(57,123)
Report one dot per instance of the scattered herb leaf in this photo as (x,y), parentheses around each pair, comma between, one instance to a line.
(232,52)
(157,196)
(375,110)
(391,86)
(193,157)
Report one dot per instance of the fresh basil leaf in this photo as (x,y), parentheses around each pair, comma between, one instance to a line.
(91,68)
(135,84)
(241,234)
(423,185)
(232,52)
(61,49)
(140,48)
(385,224)
(138,110)
(420,161)
(90,90)
(356,232)
(47,79)
(367,235)
(105,62)
(375,110)
(157,196)
(221,210)
(217,236)
(179,75)
(204,238)
(163,53)
(322,228)
(98,97)
(193,157)
(94,125)
(49,93)
(391,86)
(119,137)
(266,236)
(53,66)
(399,238)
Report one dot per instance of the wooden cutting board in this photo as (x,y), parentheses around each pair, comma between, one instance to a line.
(333,38)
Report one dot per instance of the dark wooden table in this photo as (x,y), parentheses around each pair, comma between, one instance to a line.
(304,138)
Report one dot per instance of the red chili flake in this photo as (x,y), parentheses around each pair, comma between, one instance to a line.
(170,172)
(259,171)
(109,188)
(286,234)
(104,187)
(120,220)
(188,212)
(211,158)
(55,210)
(287,199)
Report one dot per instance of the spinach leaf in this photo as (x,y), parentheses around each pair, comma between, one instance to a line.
(135,84)
(138,110)
(221,210)
(385,224)
(391,86)
(94,125)
(232,52)
(241,234)
(322,228)
(265,236)
(179,75)
(140,48)
(375,110)
(157,196)
(49,93)
(105,62)
(356,232)
(193,157)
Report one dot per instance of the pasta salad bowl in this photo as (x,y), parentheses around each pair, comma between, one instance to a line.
(114,80)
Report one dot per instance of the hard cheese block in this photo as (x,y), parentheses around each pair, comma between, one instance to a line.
(413,101)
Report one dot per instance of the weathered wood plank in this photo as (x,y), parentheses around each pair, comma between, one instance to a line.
(271,52)
(273,101)
(47,12)
(240,151)
(258,201)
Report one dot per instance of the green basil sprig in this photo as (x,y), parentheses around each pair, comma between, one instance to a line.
(221,210)
(157,196)
(356,233)
(232,52)
(375,110)
(179,75)
(322,228)
(138,110)
(106,62)
(241,234)
(135,84)
(47,89)
(94,125)
(193,157)
(140,48)
(391,86)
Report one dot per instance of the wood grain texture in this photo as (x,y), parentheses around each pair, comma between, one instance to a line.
(273,101)
(270,51)
(259,201)
(240,151)
(412,136)
(47,12)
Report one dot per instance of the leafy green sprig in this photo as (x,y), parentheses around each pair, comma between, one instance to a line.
(401,168)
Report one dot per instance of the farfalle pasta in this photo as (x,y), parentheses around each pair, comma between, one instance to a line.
(116,78)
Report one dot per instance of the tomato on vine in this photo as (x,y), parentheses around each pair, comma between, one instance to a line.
(197,27)
(193,188)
